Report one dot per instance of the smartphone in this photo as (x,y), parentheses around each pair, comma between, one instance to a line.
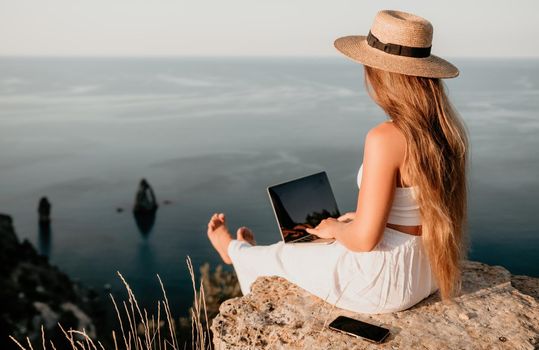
(359,329)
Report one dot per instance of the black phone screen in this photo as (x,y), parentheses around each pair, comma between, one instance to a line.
(359,328)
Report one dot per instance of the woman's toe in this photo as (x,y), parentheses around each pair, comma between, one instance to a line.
(213,223)
(245,234)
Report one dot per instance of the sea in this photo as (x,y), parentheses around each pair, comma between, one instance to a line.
(210,134)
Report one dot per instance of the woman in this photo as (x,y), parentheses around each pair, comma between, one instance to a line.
(406,238)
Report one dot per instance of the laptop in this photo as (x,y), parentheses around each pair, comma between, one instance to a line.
(302,203)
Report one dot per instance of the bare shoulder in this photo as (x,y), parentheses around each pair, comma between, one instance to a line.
(386,141)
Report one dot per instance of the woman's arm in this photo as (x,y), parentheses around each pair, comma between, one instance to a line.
(383,154)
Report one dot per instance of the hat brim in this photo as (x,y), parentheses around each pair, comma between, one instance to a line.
(357,48)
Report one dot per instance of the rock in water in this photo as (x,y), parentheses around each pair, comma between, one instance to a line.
(44,210)
(495,310)
(145,208)
(145,201)
(145,222)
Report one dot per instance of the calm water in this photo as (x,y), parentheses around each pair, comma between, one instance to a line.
(211,134)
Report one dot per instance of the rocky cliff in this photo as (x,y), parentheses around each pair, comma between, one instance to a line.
(35,293)
(494,311)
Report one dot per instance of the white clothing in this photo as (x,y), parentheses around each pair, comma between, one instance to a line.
(404,210)
(394,276)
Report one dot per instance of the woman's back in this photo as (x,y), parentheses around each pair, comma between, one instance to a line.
(404,208)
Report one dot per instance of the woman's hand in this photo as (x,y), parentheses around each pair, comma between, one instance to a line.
(347,217)
(327,228)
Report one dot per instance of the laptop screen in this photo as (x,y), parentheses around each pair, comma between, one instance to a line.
(302,203)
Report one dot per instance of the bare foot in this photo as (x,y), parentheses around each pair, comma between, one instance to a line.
(219,236)
(245,234)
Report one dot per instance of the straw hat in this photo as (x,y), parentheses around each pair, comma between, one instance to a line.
(398,42)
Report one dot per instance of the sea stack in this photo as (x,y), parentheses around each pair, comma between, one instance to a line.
(145,201)
(44,210)
(145,208)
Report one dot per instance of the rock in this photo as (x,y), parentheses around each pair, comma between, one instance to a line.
(47,317)
(33,292)
(83,321)
(44,210)
(494,311)
(145,208)
(145,201)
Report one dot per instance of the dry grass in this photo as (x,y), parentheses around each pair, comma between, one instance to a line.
(138,330)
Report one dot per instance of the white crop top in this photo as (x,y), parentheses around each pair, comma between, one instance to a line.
(404,210)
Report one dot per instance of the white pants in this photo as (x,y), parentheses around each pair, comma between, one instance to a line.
(394,276)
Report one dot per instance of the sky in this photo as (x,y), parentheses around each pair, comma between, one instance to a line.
(462,28)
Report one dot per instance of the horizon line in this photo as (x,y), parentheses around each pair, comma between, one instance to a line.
(230,56)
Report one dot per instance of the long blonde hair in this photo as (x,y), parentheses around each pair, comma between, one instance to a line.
(435,161)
